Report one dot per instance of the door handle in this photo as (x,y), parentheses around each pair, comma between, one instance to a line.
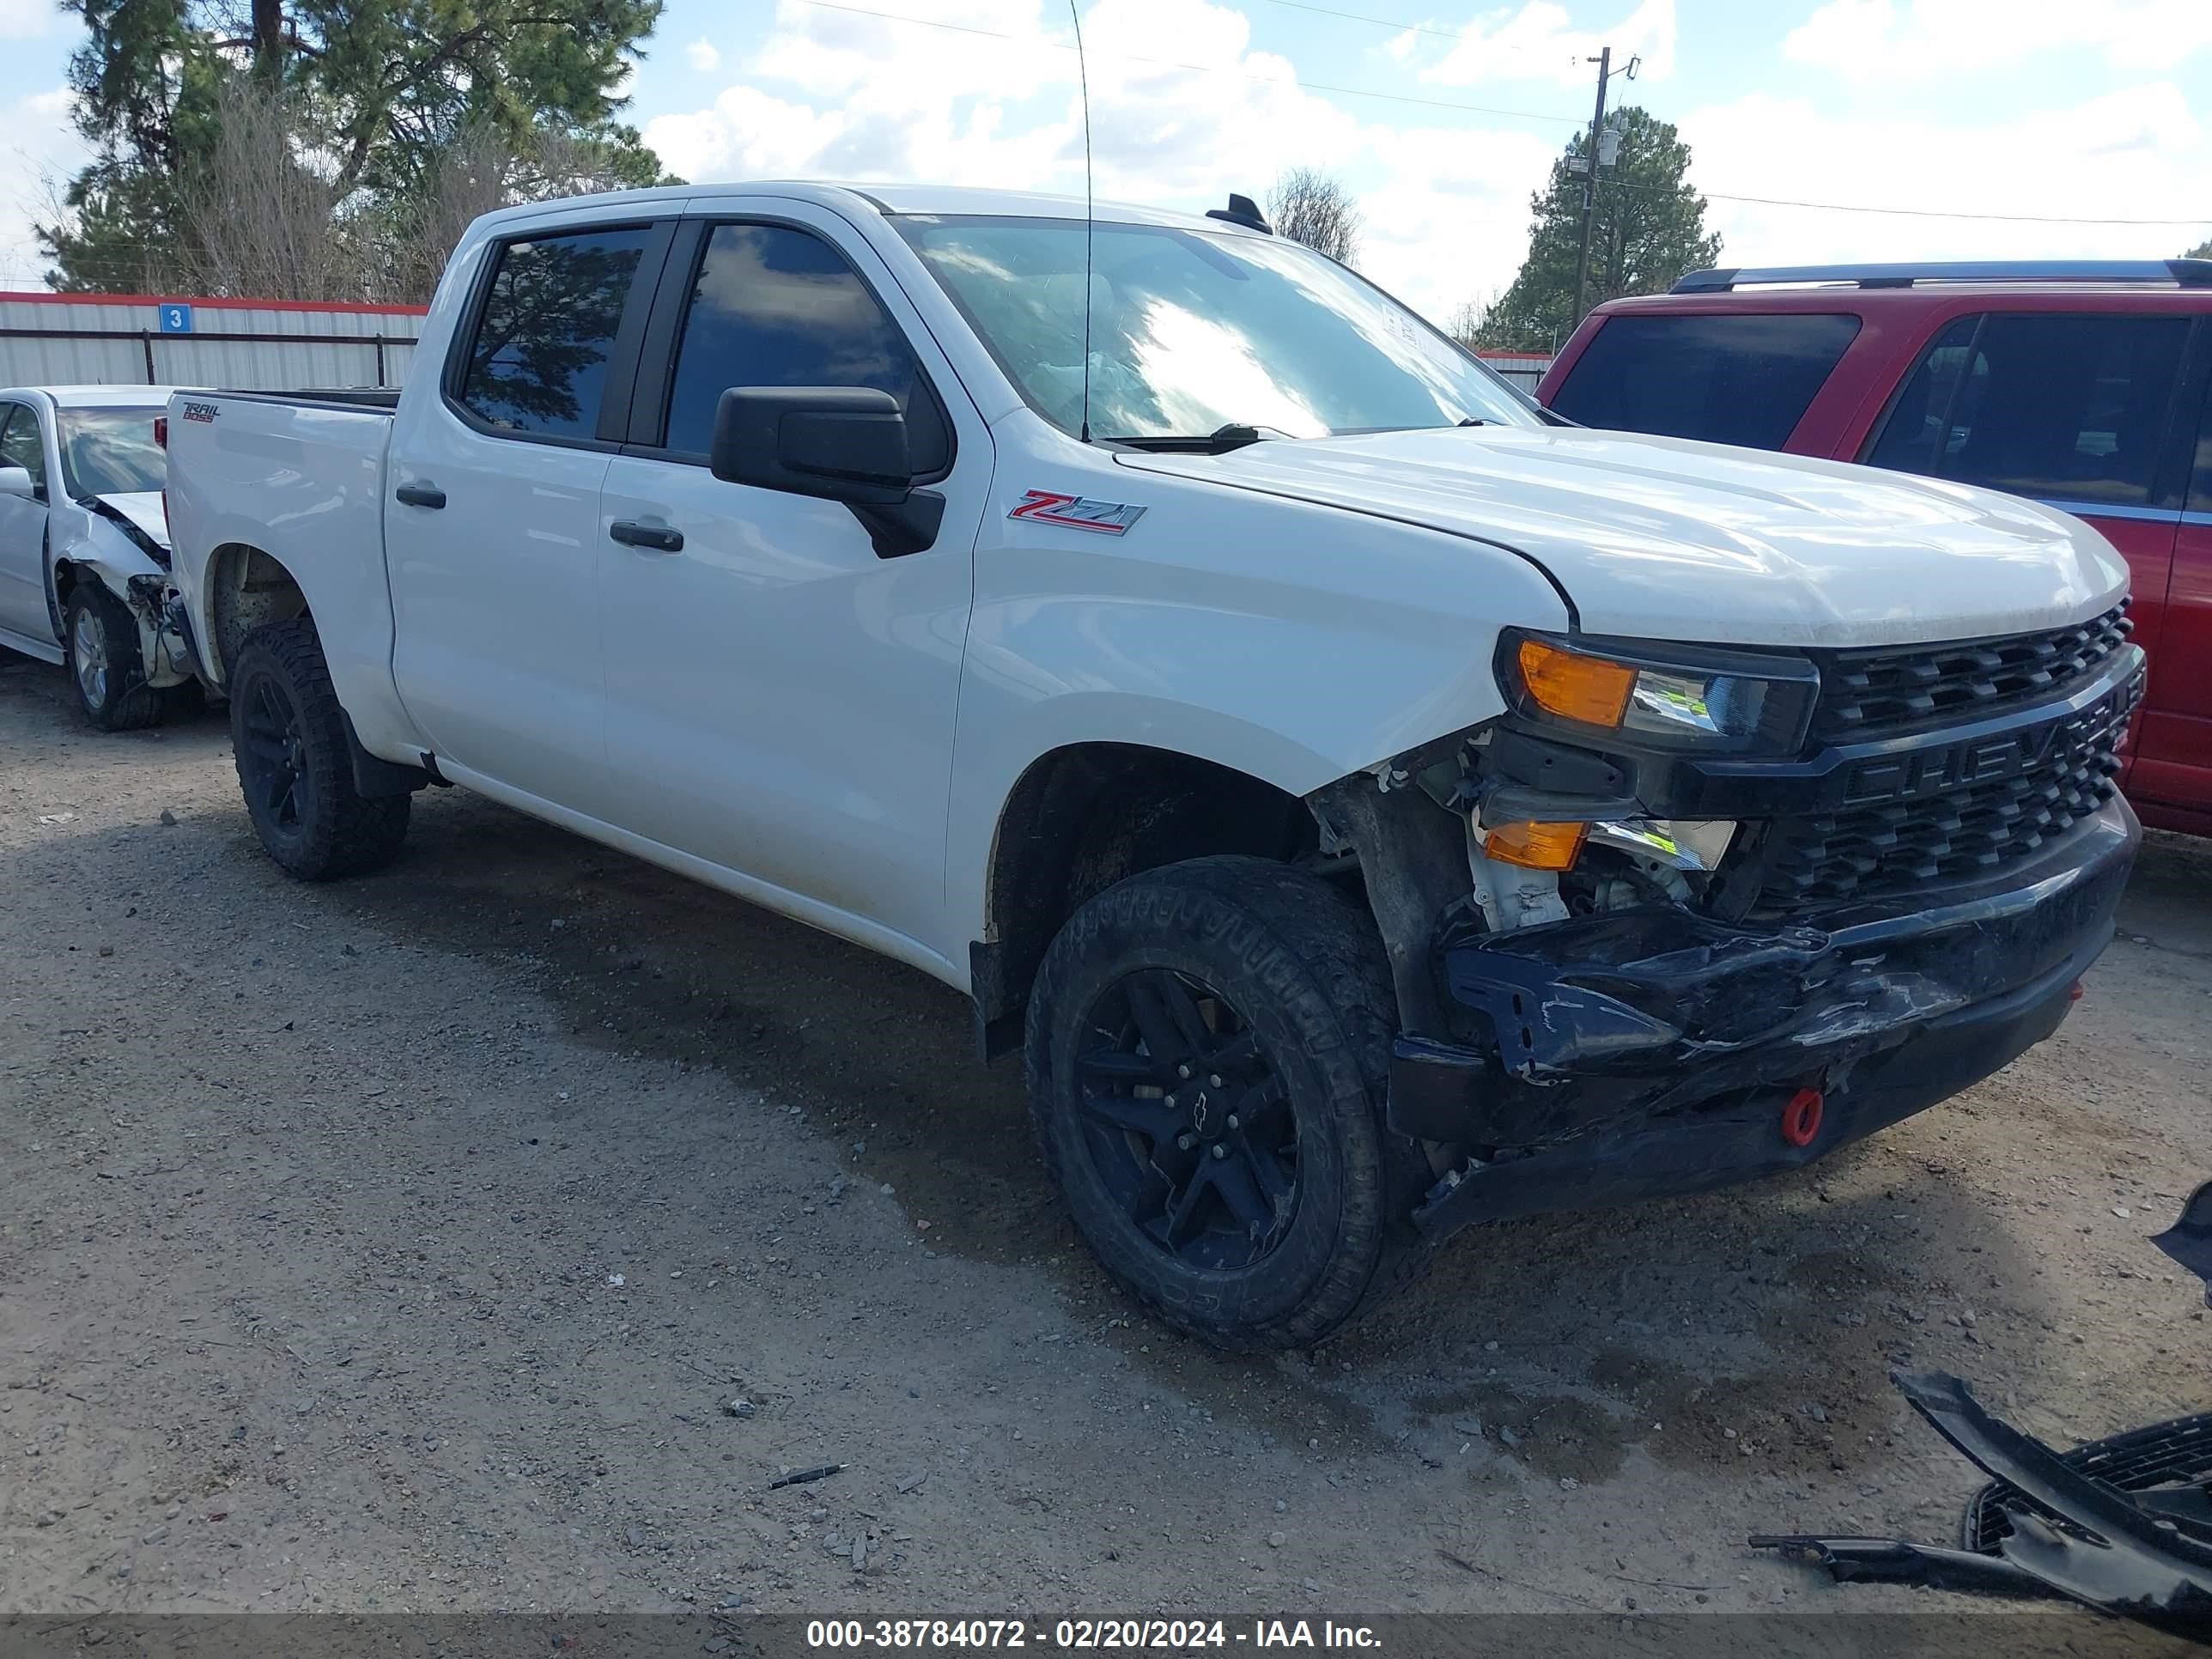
(419,495)
(646,532)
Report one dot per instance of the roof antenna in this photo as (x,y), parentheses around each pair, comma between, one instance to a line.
(1082,70)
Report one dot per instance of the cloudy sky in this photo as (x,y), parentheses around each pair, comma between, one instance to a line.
(1442,116)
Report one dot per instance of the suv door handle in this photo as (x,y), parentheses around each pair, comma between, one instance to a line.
(419,495)
(646,532)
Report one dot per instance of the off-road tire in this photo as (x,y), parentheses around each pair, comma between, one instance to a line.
(324,828)
(1302,966)
(110,691)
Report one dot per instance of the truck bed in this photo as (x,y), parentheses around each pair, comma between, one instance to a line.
(298,477)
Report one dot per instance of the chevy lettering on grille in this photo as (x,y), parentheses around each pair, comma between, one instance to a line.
(1920,773)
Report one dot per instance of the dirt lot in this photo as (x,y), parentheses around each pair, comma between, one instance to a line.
(400,1244)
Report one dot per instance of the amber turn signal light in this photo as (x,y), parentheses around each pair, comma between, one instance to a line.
(1573,686)
(1537,845)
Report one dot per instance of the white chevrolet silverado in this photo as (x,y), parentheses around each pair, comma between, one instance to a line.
(1374,805)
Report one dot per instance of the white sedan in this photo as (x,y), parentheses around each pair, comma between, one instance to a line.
(84,546)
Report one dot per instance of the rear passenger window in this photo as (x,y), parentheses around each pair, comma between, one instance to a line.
(539,361)
(2068,409)
(775,307)
(1739,378)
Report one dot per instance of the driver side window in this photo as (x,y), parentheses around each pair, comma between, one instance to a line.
(19,445)
(774,306)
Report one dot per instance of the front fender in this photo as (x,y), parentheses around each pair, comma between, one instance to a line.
(1294,644)
(100,552)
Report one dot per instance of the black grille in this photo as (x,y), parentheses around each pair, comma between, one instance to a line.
(1872,693)
(2168,1454)
(1947,812)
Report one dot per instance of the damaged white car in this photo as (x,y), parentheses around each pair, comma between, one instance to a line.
(84,547)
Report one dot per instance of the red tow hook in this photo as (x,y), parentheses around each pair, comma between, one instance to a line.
(1801,1118)
(2074,991)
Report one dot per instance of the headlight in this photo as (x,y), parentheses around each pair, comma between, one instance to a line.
(1721,702)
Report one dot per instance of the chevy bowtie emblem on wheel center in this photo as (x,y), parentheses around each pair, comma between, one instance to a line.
(1076,511)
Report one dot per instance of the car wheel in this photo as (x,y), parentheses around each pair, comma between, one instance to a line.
(295,764)
(1207,1048)
(100,643)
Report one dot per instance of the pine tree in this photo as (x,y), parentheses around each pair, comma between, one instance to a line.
(1650,231)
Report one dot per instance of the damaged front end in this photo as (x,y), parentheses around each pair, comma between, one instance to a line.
(1711,916)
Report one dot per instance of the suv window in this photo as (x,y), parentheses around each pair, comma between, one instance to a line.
(1740,377)
(19,443)
(776,306)
(539,361)
(2070,407)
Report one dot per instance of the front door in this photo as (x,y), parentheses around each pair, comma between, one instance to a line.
(491,515)
(23,529)
(781,695)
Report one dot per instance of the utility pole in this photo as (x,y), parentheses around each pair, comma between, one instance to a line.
(1598,153)
(1604,61)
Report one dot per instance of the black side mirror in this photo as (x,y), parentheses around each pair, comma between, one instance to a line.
(838,443)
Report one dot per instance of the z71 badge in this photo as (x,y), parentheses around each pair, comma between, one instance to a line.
(1076,511)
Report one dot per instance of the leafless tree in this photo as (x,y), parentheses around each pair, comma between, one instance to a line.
(480,170)
(255,210)
(1466,324)
(1313,207)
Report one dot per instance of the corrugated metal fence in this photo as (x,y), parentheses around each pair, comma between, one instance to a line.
(248,345)
(1524,369)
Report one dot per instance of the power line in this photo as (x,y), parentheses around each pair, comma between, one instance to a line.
(1200,69)
(1914,213)
(1565,54)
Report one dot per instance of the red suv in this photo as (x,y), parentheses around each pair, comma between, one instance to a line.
(2080,384)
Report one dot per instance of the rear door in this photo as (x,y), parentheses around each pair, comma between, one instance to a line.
(491,512)
(781,695)
(2174,765)
(2078,410)
(23,528)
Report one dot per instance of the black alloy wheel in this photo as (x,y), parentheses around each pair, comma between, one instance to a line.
(1186,1123)
(272,759)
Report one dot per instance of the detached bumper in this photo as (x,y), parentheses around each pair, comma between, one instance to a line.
(1643,1051)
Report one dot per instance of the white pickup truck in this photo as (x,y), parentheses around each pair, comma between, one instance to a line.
(1374,805)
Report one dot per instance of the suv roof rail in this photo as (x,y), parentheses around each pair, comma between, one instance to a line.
(2182,273)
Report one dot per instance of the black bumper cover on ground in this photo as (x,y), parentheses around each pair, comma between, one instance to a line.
(1643,1051)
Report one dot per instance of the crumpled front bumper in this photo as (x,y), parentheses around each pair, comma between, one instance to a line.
(1647,1052)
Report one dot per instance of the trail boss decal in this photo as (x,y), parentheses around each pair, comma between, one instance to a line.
(200,411)
(1076,511)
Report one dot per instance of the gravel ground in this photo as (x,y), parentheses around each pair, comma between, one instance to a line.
(410,1244)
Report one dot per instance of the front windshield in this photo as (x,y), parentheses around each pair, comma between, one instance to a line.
(110,451)
(1191,332)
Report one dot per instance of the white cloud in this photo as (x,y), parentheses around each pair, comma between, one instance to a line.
(2134,153)
(27,20)
(831,94)
(1539,43)
(704,56)
(39,151)
(1917,40)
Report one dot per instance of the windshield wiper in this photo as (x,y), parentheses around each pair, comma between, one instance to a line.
(1219,442)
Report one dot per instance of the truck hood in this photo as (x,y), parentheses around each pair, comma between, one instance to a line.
(144,509)
(1665,538)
